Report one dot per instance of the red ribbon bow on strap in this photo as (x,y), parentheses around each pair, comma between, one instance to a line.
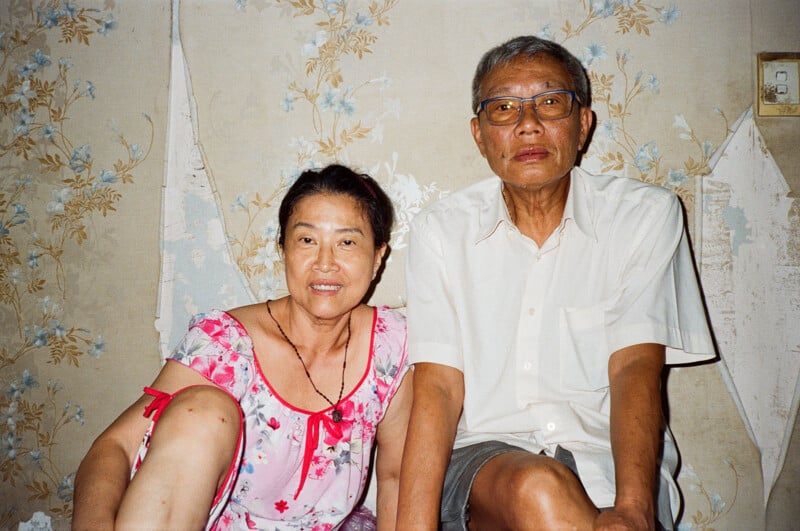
(312,439)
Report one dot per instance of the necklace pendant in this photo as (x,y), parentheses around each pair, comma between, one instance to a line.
(336,415)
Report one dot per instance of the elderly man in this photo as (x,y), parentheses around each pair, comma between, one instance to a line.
(543,304)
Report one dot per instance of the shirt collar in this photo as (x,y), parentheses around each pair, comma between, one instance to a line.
(579,208)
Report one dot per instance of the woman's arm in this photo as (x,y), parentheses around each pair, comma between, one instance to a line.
(391,436)
(104,473)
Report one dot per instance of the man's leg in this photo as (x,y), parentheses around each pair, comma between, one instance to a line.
(519,490)
(188,460)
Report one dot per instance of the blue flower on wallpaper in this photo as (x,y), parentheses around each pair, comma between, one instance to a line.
(57,329)
(267,255)
(10,415)
(677,177)
(604,8)
(346,104)
(60,197)
(81,156)
(607,128)
(33,261)
(240,203)
(88,89)
(27,70)
(69,9)
(97,348)
(108,177)
(36,458)
(78,416)
(39,338)
(669,15)
(652,83)
(329,99)
(66,62)
(9,443)
(287,103)
(594,52)
(681,123)
(646,157)
(362,20)
(332,7)
(136,152)
(270,231)
(22,94)
(24,119)
(20,215)
(317,41)
(40,59)
(48,19)
(66,488)
(107,25)
(545,33)
(268,286)
(3,229)
(47,132)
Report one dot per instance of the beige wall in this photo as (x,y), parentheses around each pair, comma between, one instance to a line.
(155,258)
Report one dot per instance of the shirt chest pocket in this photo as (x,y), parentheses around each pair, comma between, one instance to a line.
(583,348)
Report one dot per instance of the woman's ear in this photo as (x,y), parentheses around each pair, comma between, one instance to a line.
(380,252)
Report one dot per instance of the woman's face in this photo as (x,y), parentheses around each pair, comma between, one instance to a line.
(330,255)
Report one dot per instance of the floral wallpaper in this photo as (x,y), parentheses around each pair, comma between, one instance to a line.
(173,186)
(54,188)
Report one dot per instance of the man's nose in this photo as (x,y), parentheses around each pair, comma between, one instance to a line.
(529,120)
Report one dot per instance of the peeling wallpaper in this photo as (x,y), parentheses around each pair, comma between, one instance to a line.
(143,155)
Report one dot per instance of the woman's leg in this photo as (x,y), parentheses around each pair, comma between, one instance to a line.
(197,437)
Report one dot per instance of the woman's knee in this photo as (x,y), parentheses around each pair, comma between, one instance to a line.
(202,416)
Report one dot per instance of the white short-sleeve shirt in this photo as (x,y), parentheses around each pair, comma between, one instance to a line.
(532,329)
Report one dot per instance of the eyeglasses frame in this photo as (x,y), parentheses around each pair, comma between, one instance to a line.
(573,99)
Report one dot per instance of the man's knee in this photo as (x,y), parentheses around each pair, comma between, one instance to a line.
(547,492)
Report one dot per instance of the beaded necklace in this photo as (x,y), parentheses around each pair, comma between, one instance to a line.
(336,415)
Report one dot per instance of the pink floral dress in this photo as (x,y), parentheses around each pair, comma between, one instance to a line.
(300,469)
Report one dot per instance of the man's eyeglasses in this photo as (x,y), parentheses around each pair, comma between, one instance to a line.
(507,110)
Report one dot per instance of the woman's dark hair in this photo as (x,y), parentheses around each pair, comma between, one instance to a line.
(337,179)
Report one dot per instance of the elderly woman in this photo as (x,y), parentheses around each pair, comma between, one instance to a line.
(265,416)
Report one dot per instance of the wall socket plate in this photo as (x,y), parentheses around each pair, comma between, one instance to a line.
(779,84)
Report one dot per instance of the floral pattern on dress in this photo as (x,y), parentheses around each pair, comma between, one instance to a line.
(300,470)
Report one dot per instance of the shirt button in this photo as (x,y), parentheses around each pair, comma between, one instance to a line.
(551,426)
(531,311)
(527,365)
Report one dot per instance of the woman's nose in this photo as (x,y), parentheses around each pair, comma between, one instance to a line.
(326,260)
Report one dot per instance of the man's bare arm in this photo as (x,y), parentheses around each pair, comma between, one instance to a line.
(438,399)
(636,426)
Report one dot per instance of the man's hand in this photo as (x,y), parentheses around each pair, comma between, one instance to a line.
(623,520)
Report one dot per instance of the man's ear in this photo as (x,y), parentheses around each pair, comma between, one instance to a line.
(587,121)
(475,126)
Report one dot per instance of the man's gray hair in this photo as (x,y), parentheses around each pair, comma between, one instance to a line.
(527,47)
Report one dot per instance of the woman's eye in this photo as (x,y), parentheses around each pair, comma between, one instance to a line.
(306,240)
(348,243)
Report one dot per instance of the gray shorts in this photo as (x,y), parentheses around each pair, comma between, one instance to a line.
(467,461)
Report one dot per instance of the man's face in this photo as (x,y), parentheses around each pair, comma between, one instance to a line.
(531,153)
